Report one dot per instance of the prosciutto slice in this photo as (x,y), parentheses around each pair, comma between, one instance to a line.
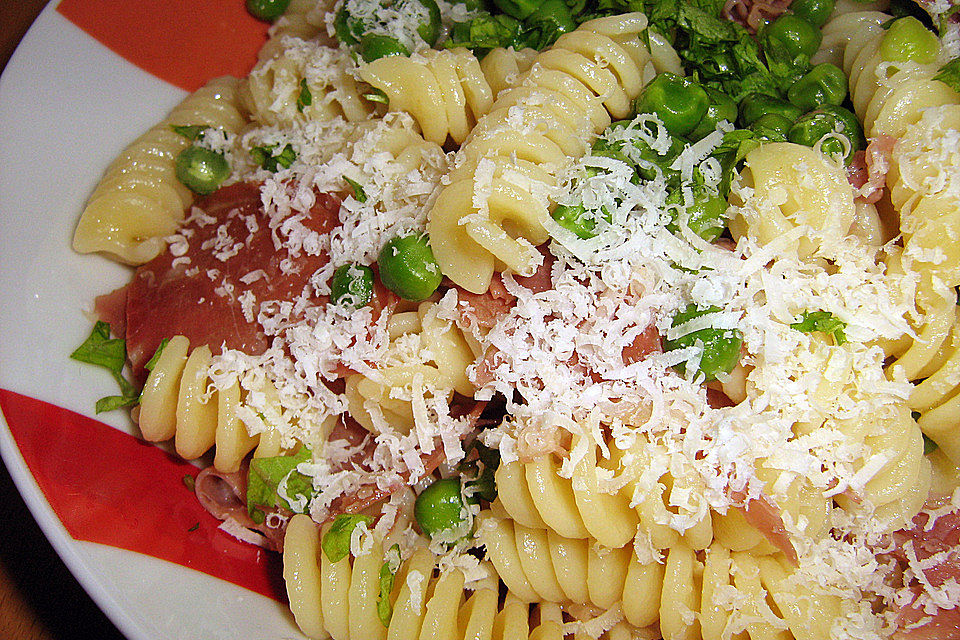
(227,259)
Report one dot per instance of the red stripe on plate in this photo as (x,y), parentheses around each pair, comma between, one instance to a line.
(111,488)
(184,42)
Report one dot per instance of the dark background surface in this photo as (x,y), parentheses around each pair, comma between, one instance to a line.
(39,597)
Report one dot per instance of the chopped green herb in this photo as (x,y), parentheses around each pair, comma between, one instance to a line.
(266,476)
(152,362)
(358,191)
(267,157)
(191,132)
(305,99)
(376,95)
(110,353)
(949,74)
(388,573)
(822,321)
(190,482)
(336,541)
(194,527)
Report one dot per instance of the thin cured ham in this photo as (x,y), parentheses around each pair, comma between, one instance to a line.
(227,259)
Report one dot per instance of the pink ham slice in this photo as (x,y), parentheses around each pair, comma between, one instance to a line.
(231,251)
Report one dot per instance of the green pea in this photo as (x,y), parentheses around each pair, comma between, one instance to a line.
(374,46)
(755,105)
(637,153)
(812,127)
(824,84)
(268,10)
(352,285)
(408,268)
(721,107)
(679,102)
(577,219)
(907,40)
(816,12)
(439,508)
(772,127)
(721,347)
(790,36)
(705,217)
(202,170)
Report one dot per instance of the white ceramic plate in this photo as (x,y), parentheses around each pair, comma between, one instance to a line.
(68,106)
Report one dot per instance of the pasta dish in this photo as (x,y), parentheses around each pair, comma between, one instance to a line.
(565,319)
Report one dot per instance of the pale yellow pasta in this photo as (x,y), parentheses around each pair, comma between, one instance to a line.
(504,68)
(887,96)
(179,402)
(427,357)
(682,597)
(445,91)
(139,200)
(339,599)
(785,186)
(272,91)
(492,214)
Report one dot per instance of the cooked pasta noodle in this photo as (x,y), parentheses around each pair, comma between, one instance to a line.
(686,595)
(180,403)
(139,199)
(445,91)
(493,210)
(427,357)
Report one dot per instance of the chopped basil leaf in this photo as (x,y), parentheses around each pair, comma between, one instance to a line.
(387,574)
(191,132)
(336,541)
(376,95)
(194,527)
(266,475)
(267,157)
(156,355)
(358,191)
(110,353)
(190,482)
(305,99)
(949,74)
(822,321)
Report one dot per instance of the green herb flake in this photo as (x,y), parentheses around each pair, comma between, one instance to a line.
(156,355)
(267,157)
(190,482)
(358,192)
(101,350)
(929,446)
(376,95)
(194,527)
(388,573)
(949,74)
(336,541)
(824,322)
(305,99)
(191,132)
(266,475)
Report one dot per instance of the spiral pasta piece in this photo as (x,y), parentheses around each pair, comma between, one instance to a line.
(427,357)
(504,68)
(784,186)
(685,596)
(178,402)
(445,91)
(339,600)
(887,96)
(492,214)
(139,199)
(272,91)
